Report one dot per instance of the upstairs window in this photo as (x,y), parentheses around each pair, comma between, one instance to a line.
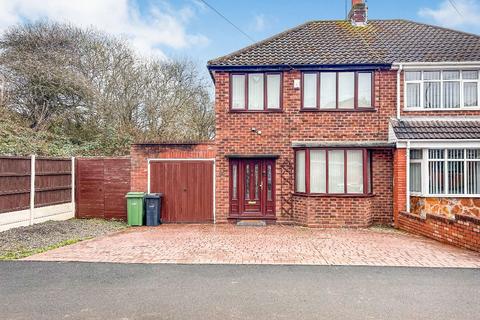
(337,90)
(445,90)
(255,92)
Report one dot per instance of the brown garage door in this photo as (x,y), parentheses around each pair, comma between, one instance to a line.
(187,188)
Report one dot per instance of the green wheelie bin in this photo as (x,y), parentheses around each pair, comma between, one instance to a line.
(135,208)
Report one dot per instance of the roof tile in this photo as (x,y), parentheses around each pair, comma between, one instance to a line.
(338,42)
(436,129)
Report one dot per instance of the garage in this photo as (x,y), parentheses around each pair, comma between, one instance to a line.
(187,187)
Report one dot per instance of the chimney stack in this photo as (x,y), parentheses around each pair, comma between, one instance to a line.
(358,13)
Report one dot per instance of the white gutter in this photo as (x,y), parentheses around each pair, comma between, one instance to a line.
(408,177)
(398,90)
(439,140)
(436,65)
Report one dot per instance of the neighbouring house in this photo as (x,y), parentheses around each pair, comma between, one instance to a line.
(336,124)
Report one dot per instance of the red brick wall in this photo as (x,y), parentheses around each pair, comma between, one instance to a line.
(333,212)
(279,130)
(139,153)
(462,232)
(399,182)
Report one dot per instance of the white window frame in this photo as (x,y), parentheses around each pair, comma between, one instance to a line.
(422,170)
(425,177)
(441,81)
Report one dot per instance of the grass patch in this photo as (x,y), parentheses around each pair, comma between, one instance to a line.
(23,253)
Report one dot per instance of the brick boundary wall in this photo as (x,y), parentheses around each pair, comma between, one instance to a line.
(462,232)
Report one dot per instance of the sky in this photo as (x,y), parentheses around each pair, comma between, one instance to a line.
(188,28)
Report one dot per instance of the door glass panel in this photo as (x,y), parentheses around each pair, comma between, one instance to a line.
(234,182)
(269,183)
(247,182)
(256,182)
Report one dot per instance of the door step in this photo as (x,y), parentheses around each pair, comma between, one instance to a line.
(251,223)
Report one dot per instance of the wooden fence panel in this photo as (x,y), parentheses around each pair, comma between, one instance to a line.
(101,187)
(53,181)
(89,188)
(14,183)
(116,185)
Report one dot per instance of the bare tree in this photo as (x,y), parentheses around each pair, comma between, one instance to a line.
(94,88)
(39,73)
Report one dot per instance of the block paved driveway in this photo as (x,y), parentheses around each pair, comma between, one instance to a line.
(229,244)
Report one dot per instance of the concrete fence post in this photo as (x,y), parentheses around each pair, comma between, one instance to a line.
(73,186)
(32,188)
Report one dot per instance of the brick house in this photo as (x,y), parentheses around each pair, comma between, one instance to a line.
(348,124)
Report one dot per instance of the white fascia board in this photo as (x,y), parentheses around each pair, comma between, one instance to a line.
(392,138)
(436,65)
(442,118)
(440,143)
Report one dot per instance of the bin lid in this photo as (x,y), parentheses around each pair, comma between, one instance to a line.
(135,195)
(154,195)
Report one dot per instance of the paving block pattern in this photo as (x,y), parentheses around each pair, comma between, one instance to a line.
(229,244)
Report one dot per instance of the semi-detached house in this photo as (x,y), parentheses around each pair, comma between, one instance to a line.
(342,124)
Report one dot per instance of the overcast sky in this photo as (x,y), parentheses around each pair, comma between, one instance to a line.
(178,28)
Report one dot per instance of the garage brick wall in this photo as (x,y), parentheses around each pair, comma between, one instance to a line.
(140,153)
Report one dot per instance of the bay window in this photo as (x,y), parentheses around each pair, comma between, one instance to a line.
(300,171)
(445,172)
(447,89)
(337,91)
(255,92)
(333,171)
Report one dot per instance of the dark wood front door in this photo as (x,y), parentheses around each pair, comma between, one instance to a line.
(252,188)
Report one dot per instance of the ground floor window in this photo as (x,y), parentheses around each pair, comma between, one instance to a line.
(333,171)
(447,172)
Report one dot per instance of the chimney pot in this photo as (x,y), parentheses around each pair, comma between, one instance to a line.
(358,13)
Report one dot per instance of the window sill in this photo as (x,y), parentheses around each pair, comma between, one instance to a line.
(317,195)
(441,109)
(255,111)
(340,110)
(445,195)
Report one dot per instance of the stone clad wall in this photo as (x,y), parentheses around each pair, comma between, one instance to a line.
(445,207)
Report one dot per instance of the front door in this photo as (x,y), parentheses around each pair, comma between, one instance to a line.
(252,188)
